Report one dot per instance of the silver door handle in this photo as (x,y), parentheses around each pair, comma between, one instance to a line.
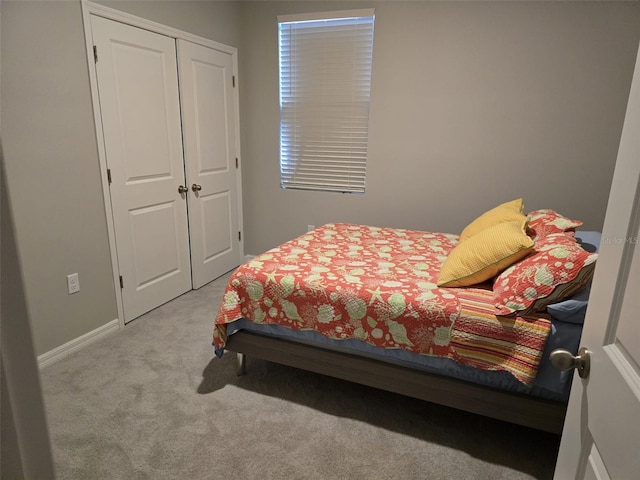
(196,188)
(182,189)
(564,360)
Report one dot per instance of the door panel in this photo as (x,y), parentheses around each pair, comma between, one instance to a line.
(216,241)
(160,259)
(601,438)
(627,339)
(140,110)
(209,130)
(146,131)
(210,104)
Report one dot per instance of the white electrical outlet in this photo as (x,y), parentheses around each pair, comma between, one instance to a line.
(73,283)
(310,227)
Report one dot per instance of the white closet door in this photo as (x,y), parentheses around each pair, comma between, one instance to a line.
(139,103)
(209,129)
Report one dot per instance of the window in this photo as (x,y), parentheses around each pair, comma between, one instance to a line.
(325,80)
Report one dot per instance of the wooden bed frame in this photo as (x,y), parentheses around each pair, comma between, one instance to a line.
(512,407)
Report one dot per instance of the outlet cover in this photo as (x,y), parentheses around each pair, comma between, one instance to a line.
(73,283)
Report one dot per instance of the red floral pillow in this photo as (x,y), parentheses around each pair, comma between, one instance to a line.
(558,268)
(545,222)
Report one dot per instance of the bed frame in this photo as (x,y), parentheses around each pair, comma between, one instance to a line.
(516,408)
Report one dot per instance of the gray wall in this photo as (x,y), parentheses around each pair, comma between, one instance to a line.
(51,155)
(52,170)
(25,451)
(473,104)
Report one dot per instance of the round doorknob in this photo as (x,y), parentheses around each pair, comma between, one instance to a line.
(564,360)
(182,189)
(196,188)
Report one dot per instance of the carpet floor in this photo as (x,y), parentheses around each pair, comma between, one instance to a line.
(152,402)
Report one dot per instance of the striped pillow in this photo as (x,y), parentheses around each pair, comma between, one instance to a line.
(485,254)
(506,212)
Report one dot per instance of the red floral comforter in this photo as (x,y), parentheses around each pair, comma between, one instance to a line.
(378,285)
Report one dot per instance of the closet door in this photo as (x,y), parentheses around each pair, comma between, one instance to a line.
(209,132)
(140,110)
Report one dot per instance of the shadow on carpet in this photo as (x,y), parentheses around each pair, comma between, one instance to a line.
(523,449)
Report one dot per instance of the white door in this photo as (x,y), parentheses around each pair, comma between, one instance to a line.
(139,102)
(601,437)
(209,129)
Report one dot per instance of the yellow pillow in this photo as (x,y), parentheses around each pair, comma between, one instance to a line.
(505,212)
(486,254)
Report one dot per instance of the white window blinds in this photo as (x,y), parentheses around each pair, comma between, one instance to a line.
(325,79)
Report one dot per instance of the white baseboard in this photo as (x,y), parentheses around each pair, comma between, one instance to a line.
(248,257)
(58,353)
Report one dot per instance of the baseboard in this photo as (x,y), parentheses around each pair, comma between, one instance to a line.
(58,353)
(248,257)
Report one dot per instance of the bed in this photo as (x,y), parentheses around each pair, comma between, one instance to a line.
(410,312)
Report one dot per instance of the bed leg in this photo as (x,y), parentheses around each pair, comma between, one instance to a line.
(241,364)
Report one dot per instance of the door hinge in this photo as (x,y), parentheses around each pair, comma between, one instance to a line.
(109,175)
(121,282)
(95,54)
(236,162)
(239,236)
(233,81)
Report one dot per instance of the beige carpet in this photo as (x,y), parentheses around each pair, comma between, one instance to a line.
(152,402)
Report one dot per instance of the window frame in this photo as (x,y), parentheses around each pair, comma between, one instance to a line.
(324,125)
